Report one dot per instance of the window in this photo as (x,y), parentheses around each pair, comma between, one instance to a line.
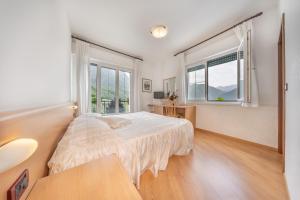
(196,83)
(223,78)
(217,79)
(109,89)
(124,91)
(93,87)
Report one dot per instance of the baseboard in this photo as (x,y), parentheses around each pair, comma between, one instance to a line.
(239,140)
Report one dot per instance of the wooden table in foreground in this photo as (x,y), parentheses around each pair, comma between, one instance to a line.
(100,179)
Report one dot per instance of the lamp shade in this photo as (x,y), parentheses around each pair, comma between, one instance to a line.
(15,152)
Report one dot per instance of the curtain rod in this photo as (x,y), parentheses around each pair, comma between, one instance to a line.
(98,45)
(245,20)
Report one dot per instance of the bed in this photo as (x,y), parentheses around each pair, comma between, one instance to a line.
(140,140)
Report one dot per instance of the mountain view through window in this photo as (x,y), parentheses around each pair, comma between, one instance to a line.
(225,79)
(222,82)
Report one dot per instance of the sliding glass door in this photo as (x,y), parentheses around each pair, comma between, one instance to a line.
(124,91)
(93,88)
(109,89)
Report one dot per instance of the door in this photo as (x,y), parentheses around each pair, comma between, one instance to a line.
(108,91)
(124,91)
(282,88)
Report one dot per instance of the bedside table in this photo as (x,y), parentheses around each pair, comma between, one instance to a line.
(104,178)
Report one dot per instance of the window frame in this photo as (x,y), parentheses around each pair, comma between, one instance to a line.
(117,69)
(89,87)
(130,90)
(204,62)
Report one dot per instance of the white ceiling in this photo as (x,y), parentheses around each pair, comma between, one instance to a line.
(125,24)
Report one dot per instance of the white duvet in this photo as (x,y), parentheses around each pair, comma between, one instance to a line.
(146,142)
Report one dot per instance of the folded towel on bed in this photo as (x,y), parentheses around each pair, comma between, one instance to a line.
(114,121)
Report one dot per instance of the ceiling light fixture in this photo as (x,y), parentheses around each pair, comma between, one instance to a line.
(159,31)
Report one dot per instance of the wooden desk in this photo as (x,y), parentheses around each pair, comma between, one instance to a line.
(182,111)
(100,179)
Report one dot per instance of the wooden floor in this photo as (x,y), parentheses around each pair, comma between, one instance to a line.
(218,168)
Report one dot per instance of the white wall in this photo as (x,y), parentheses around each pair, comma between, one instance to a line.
(152,71)
(291,8)
(157,71)
(34,54)
(254,124)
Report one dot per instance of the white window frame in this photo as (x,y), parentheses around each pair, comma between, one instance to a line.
(204,61)
(117,69)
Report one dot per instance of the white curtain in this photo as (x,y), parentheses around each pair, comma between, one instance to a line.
(244,32)
(136,85)
(82,62)
(181,78)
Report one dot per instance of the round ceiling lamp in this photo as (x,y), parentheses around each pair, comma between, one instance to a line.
(159,31)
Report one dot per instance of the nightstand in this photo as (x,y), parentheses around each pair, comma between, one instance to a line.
(100,179)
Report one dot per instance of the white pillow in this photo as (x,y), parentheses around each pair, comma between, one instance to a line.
(115,122)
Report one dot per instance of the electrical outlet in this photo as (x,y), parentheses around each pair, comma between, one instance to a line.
(19,186)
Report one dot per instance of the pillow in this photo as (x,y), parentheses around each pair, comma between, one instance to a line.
(115,122)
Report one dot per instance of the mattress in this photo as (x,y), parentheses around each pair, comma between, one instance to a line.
(145,143)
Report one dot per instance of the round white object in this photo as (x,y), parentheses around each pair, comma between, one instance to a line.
(15,152)
(159,31)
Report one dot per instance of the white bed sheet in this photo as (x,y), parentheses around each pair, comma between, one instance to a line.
(146,143)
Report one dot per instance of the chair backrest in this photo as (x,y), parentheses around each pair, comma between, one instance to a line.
(170,109)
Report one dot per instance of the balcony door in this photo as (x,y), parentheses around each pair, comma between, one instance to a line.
(109,89)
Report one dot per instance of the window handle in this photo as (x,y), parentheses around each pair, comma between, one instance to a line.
(286,87)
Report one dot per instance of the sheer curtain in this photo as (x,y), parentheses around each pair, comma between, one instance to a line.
(181,78)
(136,85)
(83,53)
(244,33)
(81,67)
